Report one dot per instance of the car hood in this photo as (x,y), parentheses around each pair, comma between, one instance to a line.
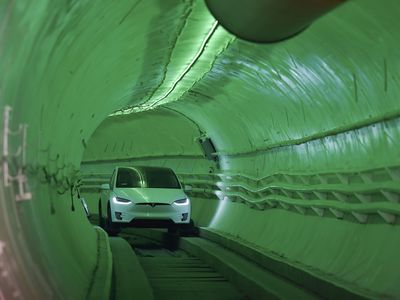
(149,195)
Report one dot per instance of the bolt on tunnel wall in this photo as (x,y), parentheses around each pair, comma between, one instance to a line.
(306,132)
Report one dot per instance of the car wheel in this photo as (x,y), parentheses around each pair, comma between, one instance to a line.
(172,229)
(112,228)
(189,229)
(101,219)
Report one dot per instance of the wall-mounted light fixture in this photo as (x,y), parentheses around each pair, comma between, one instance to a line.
(208,148)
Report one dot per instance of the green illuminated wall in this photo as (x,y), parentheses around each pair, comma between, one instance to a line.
(306,130)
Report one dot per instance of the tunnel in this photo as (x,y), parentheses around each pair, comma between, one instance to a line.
(291,146)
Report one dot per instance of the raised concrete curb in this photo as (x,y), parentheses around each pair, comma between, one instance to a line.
(310,281)
(130,280)
(247,276)
(100,285)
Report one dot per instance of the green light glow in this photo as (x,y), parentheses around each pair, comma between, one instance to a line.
(185,69)
(307,134)
(190,65)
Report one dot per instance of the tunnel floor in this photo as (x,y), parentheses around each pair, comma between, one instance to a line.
(188,266)
(175,274)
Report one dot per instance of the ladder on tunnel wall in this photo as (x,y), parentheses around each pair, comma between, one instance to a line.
(18,158)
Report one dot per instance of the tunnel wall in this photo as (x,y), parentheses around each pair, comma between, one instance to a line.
(319,109)
(312,120)
(341,234)
(326,217)
(307,137)
(59,60)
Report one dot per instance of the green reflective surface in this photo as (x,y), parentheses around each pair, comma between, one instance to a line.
(306,132)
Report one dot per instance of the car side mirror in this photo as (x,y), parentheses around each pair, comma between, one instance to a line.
(188,188)
(105,186)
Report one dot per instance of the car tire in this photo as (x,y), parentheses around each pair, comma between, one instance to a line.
(112,228)
(173,229)
(188,225)
(189,229)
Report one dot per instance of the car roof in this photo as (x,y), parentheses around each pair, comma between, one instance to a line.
(145,168)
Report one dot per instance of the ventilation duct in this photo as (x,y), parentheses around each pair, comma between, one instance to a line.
(268,21)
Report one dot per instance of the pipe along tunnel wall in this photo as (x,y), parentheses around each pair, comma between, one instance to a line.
(306,132)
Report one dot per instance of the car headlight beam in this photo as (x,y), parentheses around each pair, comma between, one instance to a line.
(119,200)
(184,201)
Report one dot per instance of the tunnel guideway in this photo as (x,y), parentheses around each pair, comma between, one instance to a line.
(175,274)
(168,258)
(207,268)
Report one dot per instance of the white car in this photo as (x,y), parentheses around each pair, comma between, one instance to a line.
(143,195)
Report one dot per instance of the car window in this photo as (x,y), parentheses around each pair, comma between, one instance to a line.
(161,178)
(128,178)
(112,180)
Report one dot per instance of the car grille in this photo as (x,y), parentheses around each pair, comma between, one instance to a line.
(152,204)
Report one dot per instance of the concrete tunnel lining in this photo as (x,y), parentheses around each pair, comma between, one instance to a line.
(321,104)
(106,149)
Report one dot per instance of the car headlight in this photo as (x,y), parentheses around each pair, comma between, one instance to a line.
(184,201)
(120,200)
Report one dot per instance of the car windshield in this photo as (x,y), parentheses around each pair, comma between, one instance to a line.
(128,178)
(160,178)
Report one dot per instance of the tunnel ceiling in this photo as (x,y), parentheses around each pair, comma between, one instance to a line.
(323,82)
(151,134)
(292,90)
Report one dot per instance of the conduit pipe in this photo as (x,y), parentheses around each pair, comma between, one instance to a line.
(267,21)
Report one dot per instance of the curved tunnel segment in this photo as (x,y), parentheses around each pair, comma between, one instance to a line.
(304,167)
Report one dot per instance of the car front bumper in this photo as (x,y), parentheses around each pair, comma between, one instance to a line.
(125,213)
